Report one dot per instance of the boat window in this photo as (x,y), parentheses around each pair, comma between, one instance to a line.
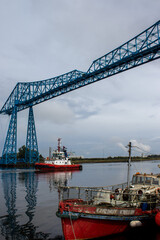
(155,181)
(140,180)
(134,180)
(148,180)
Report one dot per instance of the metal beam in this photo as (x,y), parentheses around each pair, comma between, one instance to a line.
(31,153)
(141,49)
(9,155)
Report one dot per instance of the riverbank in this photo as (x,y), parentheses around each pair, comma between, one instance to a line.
(88,160)
(113,159)
(17,165)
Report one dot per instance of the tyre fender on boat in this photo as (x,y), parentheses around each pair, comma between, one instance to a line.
(135,223)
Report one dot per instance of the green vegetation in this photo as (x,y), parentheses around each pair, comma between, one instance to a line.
(115,159)
(21,154)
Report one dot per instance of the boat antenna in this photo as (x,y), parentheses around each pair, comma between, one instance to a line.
(129,164)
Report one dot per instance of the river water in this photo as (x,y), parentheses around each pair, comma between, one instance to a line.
(29,200)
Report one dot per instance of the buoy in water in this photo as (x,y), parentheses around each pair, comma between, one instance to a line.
(157,219)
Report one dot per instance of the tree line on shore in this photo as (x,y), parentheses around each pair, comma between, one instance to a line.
(21,155)
(116,159)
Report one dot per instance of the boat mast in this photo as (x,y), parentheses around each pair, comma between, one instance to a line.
(59,144)
(129,164)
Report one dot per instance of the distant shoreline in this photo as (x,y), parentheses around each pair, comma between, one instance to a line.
(112,160)
(90,160)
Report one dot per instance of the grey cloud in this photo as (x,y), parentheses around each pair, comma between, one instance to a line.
(40,40)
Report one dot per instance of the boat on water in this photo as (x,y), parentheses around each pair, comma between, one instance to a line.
(59,161)
(93,212)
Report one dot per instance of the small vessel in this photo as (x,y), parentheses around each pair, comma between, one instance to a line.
(93,212)
(59,161)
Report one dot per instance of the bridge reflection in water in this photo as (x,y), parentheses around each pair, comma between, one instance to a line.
(29,201)
(27,184)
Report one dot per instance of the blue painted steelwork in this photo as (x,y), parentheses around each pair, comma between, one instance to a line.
(31,154)
(9,155)
(141,49)
(32,93)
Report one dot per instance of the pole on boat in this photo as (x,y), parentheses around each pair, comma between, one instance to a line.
(59,144)
(129,164)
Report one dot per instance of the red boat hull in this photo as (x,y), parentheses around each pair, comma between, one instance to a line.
(91,228)
(45,167)
(83,221)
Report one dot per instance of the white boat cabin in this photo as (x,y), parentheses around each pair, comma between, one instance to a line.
(146,179)
(59,159)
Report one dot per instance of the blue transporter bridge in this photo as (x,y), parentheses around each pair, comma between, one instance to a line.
(143,48)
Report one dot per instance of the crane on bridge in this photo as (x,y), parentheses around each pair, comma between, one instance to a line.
(143,48)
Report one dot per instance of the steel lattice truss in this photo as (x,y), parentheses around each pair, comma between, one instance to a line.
(144,48)
(9,154)
(31,153)
(141,49)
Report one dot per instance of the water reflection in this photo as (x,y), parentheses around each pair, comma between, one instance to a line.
(29,201)
(31,183)
(10,226)
(20,190)
(56,179)
(9,222)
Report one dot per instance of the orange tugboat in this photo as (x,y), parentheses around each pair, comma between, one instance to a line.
(60,162)
(95,212)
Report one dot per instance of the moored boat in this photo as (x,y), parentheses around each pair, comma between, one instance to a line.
(59,162)
(93,212)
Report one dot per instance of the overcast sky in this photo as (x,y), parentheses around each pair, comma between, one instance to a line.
(42,39)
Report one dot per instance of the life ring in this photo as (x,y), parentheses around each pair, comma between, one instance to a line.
(140,192)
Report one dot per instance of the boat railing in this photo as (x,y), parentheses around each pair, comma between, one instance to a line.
(113,195)
(86,193)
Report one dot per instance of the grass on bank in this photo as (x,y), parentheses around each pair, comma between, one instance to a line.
(115,159)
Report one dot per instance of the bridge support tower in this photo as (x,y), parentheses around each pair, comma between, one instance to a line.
(31,154)
(9,154)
